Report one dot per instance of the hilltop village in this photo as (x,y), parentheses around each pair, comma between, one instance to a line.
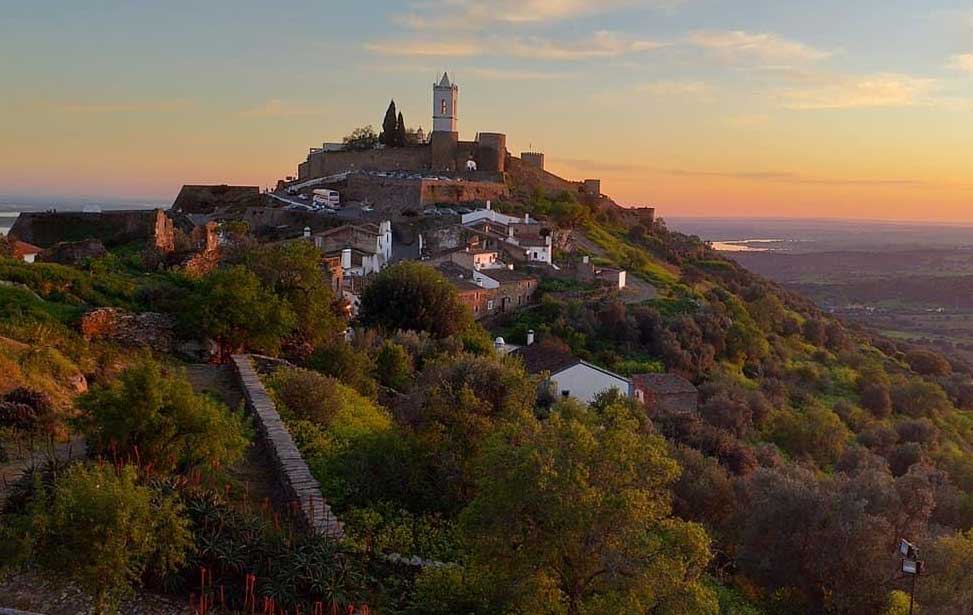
(494,224)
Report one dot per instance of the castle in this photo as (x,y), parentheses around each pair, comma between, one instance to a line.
(442,152)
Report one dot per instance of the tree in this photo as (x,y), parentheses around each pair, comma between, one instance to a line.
(103,530)
(394,366)
(817,432)
(824,542)
(928,363)
(232,307)
(409,295)
(389,127)
(294,272)
(947,582)
(573,515)
(400,131)
(361,139)
(151,416)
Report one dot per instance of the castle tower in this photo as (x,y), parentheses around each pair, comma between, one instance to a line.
(445,96)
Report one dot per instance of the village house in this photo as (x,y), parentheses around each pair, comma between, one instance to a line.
(665,393)
(363,249)
(569,375)
(24,251)
(523,238)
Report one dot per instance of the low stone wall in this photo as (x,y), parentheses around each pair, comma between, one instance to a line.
(4,611)
(293,474)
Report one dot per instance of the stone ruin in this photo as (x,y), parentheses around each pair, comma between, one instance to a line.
(145,330)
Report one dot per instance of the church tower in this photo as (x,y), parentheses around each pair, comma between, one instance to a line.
(445,96)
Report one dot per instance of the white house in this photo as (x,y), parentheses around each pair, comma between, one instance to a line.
(364,248)
(571,376)
(25,251)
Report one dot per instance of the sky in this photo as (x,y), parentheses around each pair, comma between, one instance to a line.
(726,108)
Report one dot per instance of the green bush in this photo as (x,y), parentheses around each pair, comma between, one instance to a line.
(103,530)
(150,415)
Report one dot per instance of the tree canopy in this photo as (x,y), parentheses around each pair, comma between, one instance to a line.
(573,515)
(412,296)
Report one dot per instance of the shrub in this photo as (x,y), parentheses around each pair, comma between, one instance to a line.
(394,366)
(104,531)
(151,415)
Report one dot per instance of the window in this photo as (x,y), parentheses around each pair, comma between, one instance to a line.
(490,304)
(442,107)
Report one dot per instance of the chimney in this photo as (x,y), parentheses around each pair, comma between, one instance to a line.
(488,205)
(307,232)
(585,259)
(530,337)
(526,218)
(346,259)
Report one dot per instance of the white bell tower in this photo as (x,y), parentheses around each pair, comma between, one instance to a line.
(445,96)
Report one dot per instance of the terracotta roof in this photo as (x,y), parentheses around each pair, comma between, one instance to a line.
(663,383)
(543,358)
(22,249)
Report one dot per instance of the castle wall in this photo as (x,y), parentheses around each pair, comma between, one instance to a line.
(491,153)
(412,158)
(533,159)
(455,193)
(45,229)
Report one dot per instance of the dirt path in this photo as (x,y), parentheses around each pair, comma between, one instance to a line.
(252,478)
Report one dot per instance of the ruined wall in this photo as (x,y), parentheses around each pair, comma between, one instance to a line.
(145,330)
(411,158)
(45,229)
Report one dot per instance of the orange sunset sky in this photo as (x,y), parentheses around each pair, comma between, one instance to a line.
(698,107)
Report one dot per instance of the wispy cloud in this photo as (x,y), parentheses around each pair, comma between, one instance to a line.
(502,74)
(96,107)
(748,120)
(474,14)
(765,47)
(962,62)
(877,90)
(421,47)
(679,88)
(601,44)
(277,108)
(785,177)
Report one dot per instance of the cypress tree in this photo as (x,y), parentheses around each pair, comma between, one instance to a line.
(389,127)
(400,131)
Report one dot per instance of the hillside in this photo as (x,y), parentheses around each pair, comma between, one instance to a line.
(815,448)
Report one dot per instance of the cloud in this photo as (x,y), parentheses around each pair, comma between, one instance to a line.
(501,74)
(877,90)
(601,44)
(786,177)
(748,121)
(154,106)
(962,62)
(474,14)
(277,108)
(738,45)
(674,88)
(416,47)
